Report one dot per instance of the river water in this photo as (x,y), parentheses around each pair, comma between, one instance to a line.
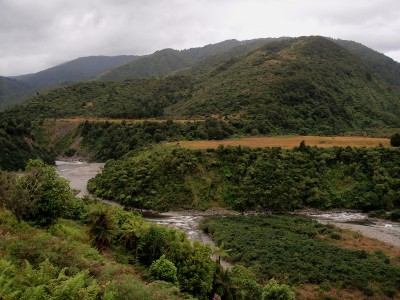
(383,230)
(78,174)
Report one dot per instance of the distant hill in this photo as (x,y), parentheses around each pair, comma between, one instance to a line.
(166,61)
(76,70)
(11,91)
(386,67)
(9,86)
(17,89)
(303,85)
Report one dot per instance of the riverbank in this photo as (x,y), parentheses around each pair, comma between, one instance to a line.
(78,174)
(379,229)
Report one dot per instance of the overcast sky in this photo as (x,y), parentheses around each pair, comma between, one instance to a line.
(38,34)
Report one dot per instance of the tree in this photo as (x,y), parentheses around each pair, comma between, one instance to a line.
(51,195)
(101,228)
(220,252)
(39,195)
(244,283)
(164,269)
(395,140)
(131,231)
(13,197)
(275,291)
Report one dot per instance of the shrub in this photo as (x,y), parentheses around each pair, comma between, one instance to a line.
(395,140)
(275,291)
(164,269)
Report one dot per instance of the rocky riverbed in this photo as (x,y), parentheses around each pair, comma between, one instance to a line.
(383,230)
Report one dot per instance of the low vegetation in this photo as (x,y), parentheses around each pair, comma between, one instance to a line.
(298,251)
(104,252)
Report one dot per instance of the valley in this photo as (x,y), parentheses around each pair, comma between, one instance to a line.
(229,171)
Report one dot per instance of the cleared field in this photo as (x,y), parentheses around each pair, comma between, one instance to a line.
(91,119)
(288,142)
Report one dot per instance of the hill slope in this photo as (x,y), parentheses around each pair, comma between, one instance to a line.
(11,90)
(9,86)
(304,85)
(166,61)
(78,69)
(386,67)
(17,89)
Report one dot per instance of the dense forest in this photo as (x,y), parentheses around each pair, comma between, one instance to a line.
(18,145)
(166,177)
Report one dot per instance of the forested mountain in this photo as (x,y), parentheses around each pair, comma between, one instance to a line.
(10,90)
(9,86)
(300,85)
(304,85)
(386,67)
(166,61)
(17,89)
(78,69)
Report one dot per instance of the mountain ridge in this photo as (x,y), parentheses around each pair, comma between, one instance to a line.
(82,68)
(303,85)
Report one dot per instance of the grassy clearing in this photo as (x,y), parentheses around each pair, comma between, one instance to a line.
(289,142)
(79,120)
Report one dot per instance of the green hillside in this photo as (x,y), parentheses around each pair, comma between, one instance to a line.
(18,145)
(240,178)
(9,86)
(141,98)
(386,67)
(11,91)
(306,85)
(78,69)
(18,89)
(166,61)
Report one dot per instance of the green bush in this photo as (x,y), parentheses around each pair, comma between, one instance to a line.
(275,291)
(395,140)
(164,269)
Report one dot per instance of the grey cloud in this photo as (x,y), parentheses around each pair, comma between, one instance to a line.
(39,34)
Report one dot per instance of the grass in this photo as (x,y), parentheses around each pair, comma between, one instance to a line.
(289,142)
(78,120)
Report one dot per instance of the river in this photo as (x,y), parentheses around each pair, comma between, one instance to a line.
(78,174)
